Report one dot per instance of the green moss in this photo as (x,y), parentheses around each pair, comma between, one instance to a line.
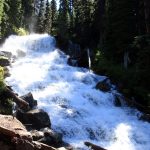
(2,84)
(5,104)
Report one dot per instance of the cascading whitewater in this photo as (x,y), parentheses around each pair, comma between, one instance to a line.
(75,107)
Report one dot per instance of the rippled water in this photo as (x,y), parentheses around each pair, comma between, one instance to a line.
(75,107)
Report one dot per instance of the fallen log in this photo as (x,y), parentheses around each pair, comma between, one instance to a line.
(19,101)
(93,146)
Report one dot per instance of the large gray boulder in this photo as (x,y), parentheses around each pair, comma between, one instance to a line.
(35,119)
(29,99)
(51,137)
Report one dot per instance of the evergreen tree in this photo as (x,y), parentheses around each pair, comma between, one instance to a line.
(83,11)
(47,21)
(120,28)
(63,19)
(1,9)
(71,15)
(28,8)
(4,22)
(15,13)
(40,19)
(98,24)
(53,16)
(1,13)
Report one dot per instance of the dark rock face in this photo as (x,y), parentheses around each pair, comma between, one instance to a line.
(103,85)
(47,136)
(29,99)
(145,117)
(51,137)
(36,118)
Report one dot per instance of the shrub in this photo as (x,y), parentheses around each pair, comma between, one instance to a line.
(5,104)
(21,31)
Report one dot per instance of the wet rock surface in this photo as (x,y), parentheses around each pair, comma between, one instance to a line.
(29,99)
(36,118)
(14,136)
(104,85)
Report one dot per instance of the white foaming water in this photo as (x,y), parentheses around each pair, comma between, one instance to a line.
(75,107)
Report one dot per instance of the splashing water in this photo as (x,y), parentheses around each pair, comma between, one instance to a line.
(75,107)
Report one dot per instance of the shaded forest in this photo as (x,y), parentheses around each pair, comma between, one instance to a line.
(116,32)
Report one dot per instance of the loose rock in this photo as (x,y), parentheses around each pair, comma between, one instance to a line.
(36,118)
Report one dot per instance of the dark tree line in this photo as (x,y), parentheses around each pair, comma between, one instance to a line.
(117,31)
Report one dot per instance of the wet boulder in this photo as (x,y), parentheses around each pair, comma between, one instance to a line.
(36,135)
(20,53)
(72,61)
(29,99)
(6,54)
(104,85)
(51,137)
(35,119)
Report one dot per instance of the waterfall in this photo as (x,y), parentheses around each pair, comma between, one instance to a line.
(76,109)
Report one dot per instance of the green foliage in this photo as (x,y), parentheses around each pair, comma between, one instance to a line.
(63,19)
(83,11)
(40,18)
(2,84)
(5,104)
(1,9)
(21,31)
(53,6)
(120,28)
(28,14)
(47,21)
(133,81)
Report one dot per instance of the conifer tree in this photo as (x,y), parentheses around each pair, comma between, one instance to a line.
(47,21)
(53,16)
(28,8)
(12,16)
(63,19)
(83,19)
(15,13)
(120,28)
(40,18)
(1,9)
(1,13)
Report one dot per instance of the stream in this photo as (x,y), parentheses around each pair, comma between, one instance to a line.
(76,109)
